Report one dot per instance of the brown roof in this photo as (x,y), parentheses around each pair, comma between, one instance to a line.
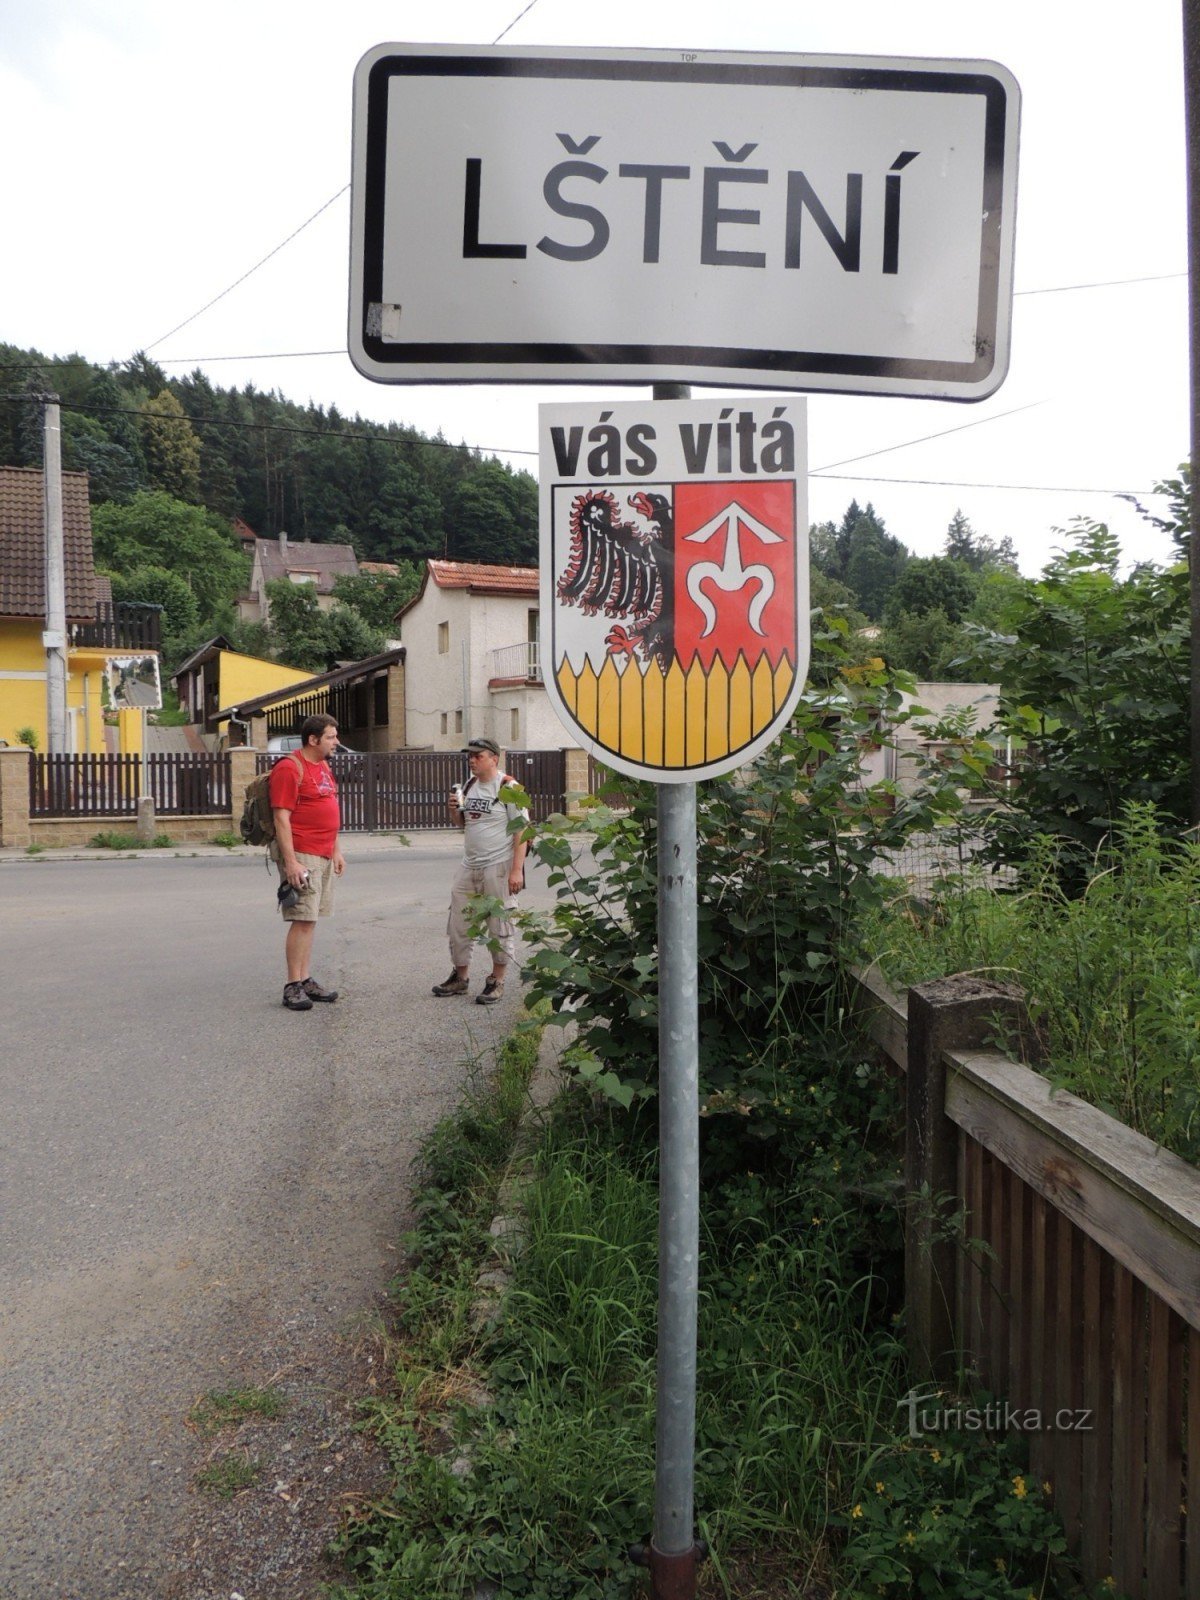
(23,545)
(476,578)
(481,579)
(328,561)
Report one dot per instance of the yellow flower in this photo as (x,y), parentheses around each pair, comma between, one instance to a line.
(817,1221)
(1047,1486)
(1001,1564)
(879,1488)
(909,1538)
(1019,1487)
(936,1455)
(857,1512)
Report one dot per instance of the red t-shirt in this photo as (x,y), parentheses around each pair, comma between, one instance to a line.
(311,797)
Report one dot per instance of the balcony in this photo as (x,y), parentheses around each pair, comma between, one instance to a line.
(515,663)
(122,625)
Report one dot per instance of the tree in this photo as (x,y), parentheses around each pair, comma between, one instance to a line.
(172,449)
(304,636)
(493,517)
(378,596)
(926,643)
(978,551)
(154,529)
(87,447)
(157,586)
(1094,680)
(930,583)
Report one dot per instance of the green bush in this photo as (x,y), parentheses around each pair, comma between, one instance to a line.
(785,857)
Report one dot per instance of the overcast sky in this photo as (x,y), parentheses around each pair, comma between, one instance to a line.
(153,152)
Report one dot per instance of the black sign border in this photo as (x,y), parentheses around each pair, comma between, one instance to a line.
(684,360)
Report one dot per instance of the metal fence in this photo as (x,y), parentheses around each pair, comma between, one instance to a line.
(180,784)
(407,789)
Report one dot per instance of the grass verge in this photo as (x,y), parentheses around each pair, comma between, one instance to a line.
(523,1448)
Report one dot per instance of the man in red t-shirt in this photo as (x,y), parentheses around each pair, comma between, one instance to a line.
(307,818)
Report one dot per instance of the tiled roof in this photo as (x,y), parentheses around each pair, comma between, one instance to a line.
(328,561)
(481,579)
(23,545)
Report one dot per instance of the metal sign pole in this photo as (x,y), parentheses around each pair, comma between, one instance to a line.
(674,1554)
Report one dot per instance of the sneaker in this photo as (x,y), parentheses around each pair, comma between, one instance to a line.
(451,985)
(294,997)
(493,991)
(314,991)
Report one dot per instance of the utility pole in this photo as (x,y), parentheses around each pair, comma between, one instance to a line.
(54,637)
(1191,105)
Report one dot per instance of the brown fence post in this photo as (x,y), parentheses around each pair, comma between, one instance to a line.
(947,1014)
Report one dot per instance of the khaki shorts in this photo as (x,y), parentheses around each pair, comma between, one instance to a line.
(316,897)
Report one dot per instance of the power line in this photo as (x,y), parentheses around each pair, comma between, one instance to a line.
(163,337)
(504,450)
(925,437)
(953,483)
(295,232)
(514,21)
(1108,283)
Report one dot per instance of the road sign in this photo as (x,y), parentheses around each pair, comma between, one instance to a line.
(797,222)
(674,569)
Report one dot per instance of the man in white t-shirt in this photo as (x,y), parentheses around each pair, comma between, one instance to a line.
(493,864)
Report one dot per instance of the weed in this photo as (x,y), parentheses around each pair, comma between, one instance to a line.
(227,841)
(1112,977)
(228,1475)
(222,1408)
(34,849)
(29,738)
(110,839)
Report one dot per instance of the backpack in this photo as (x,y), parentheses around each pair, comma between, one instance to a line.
(257,824)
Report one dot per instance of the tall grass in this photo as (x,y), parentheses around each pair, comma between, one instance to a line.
(1112,978)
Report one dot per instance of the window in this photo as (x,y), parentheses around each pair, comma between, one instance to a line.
(514,733)
(458,722)
(443,638)
(445,722)
(302,577)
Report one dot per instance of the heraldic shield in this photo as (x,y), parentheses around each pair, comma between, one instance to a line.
(679,621)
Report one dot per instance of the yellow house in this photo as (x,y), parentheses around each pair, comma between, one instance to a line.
(216,675)
(97,629)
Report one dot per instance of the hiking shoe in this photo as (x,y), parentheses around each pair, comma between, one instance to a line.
(493,991)
(294,997)
(314,991)
(451,985)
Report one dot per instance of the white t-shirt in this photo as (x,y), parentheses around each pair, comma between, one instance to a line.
(487,840)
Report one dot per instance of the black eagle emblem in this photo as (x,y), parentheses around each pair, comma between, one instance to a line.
(626,570)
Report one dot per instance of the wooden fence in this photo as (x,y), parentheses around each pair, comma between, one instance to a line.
(180,784)
(1073,1291)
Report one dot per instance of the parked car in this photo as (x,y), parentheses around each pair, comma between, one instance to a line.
(280,743)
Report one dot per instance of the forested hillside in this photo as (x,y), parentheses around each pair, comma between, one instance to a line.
(173,461)
(389,491)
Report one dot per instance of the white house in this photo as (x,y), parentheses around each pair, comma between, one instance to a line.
(473,663)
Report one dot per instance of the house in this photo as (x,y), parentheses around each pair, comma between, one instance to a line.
(300,561)
(97,629)
(472,635)
(217,675)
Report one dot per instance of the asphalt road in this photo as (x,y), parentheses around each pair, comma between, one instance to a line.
(186,1168)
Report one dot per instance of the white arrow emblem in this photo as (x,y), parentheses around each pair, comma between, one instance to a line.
(731,574)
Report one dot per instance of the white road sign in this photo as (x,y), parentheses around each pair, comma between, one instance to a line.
(795,222)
